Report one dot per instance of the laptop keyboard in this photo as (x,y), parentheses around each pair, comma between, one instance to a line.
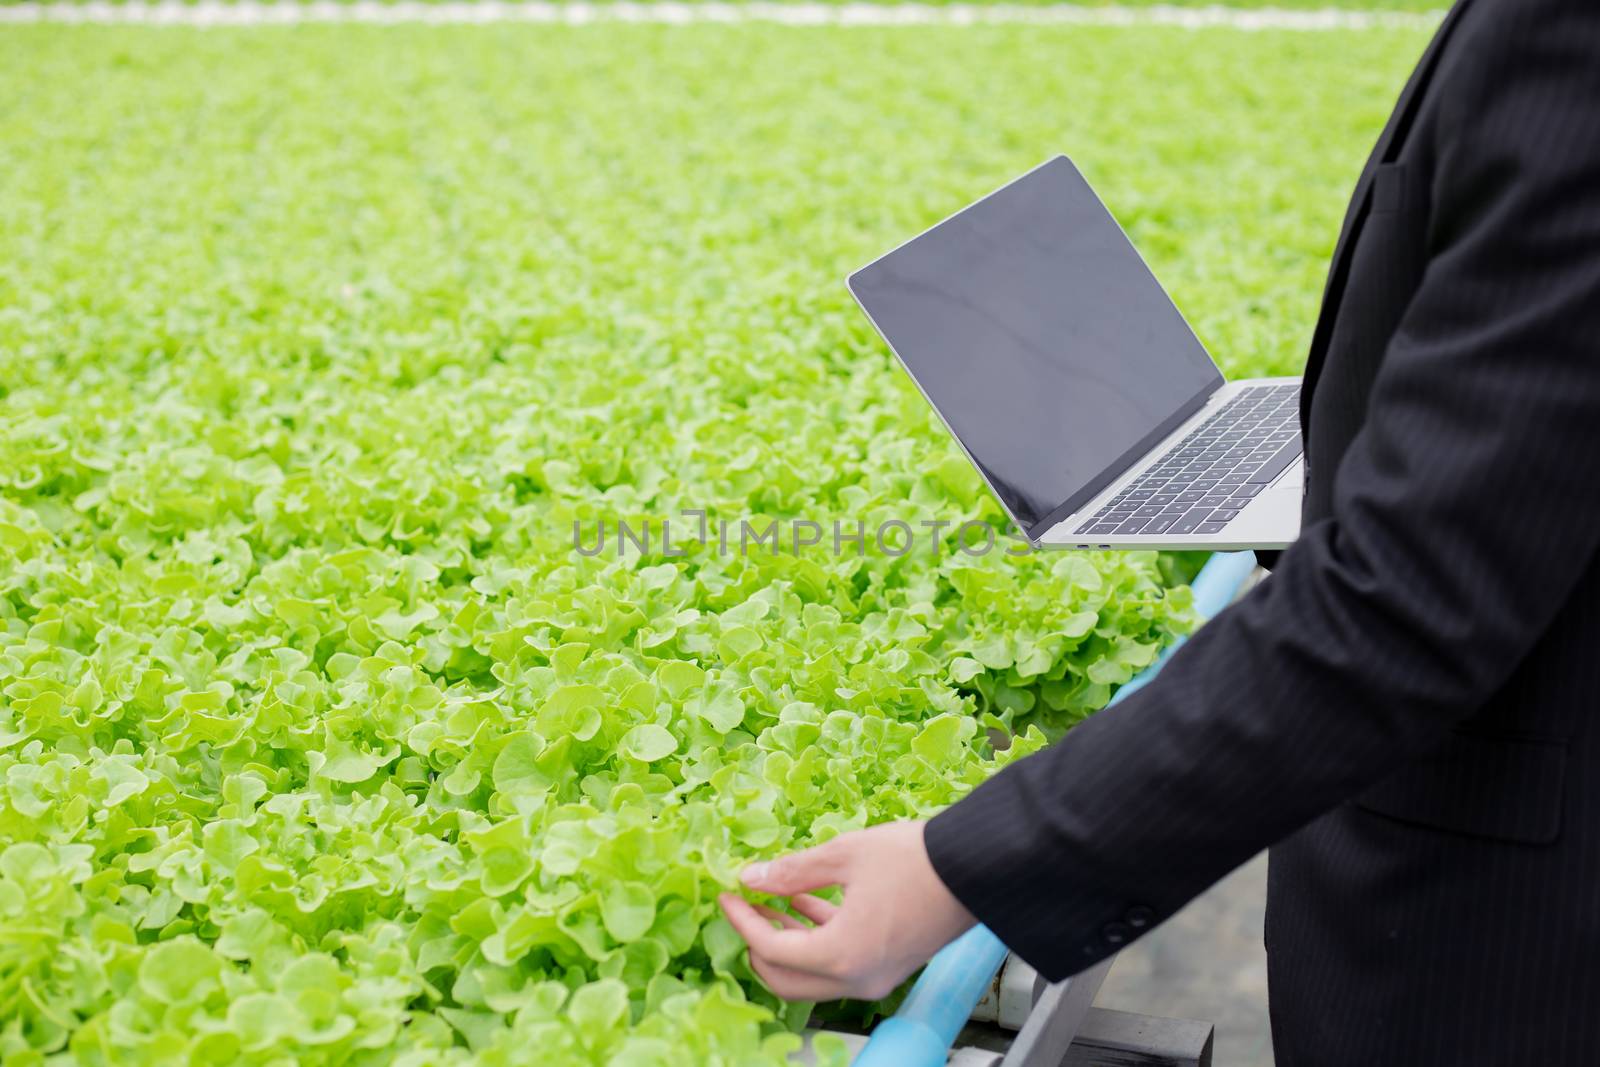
(1209,476)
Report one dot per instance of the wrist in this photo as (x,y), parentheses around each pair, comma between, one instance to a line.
(955,918)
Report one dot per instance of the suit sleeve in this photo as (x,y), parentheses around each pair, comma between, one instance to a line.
(1463,514)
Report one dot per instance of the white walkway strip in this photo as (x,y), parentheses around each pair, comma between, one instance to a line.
(289,12)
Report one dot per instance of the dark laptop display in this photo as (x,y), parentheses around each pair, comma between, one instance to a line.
(1033,326)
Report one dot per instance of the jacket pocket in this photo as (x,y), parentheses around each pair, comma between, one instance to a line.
(1505,787)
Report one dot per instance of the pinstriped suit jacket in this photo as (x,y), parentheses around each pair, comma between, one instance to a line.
(1408,709)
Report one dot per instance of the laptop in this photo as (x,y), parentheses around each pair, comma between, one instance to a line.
(1073,383)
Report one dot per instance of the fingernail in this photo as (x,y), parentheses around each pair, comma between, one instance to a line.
(754,874)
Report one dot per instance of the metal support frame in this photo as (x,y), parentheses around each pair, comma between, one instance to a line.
(1053,1023)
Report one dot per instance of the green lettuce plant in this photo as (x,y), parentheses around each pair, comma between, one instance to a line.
(320,743)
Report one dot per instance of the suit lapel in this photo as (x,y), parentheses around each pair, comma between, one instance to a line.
(1387,148)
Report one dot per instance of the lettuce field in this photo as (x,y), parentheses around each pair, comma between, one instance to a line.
(324,737)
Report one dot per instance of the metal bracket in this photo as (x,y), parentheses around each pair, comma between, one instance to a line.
(1053,1023)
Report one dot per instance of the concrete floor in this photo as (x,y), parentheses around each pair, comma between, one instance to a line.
(1207,963)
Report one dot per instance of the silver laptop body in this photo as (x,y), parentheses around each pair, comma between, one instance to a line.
(1035,329)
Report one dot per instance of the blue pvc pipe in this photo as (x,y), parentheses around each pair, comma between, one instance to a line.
(921,1031)
(939,1004)
(1214,589)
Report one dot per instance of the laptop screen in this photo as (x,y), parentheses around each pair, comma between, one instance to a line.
(1045,343)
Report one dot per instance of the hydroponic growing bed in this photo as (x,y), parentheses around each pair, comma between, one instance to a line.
(320,739)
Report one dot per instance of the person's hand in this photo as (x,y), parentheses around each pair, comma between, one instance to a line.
(896,914)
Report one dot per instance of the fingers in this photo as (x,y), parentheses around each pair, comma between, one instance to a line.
(784,919)
(813,950)
(791,984)
(799,872)
(796,985)
(744,918)
(896,913)
(816,909)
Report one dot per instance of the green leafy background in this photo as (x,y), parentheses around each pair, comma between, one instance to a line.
(1377,5)
(318,742)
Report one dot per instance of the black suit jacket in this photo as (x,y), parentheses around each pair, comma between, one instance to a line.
(1407,705)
